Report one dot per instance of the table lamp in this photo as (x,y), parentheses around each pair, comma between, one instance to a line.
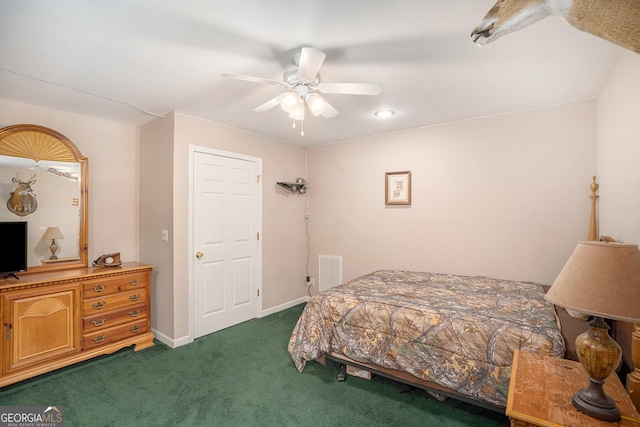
(603,280)
(52,233)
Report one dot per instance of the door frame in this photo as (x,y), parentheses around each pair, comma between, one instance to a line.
(190,256)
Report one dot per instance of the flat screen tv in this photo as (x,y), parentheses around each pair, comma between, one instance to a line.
(14,236)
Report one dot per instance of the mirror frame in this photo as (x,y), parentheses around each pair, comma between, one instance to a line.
(41,143)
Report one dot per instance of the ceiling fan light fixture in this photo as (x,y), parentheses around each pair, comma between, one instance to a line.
(298,112)
(384,114)
(290,102)
(316,104)
(302,83)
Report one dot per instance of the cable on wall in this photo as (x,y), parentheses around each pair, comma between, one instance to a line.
(306,219)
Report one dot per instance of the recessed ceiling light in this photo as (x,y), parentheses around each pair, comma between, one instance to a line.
(383,114)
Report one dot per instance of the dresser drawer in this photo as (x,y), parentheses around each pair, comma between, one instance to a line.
(116,333)
(110,285)
(113,301)
(108,319)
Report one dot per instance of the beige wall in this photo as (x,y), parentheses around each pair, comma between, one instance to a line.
(156,212)
(503,196)
(618,159)
(123,189)
(283,242)
(114,189)
(619,151)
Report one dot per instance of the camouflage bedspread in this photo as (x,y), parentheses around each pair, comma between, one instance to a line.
(457,331)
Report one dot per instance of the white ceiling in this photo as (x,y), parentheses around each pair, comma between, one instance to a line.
(118,59)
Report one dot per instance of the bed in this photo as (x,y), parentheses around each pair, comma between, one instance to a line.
(452,335)
(449,332)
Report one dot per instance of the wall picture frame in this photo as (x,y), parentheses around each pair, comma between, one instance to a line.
(397,188)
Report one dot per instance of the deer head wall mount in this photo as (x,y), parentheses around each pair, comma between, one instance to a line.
(22,200)
(613,20)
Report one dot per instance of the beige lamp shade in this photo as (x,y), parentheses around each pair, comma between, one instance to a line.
(52,233)
(600,279)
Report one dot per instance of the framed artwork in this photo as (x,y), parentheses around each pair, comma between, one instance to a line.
(397,188)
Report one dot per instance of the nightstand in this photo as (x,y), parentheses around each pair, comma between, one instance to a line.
(541,388)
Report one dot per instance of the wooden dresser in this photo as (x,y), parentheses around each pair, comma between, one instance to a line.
(55,319)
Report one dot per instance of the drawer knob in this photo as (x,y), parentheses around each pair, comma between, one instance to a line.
(99,322)
(134,297)
(134,282)
(134,329)
(99,288)
(98,304)
(134,313)
(99,338)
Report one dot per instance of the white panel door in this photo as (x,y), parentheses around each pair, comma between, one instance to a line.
(225,239)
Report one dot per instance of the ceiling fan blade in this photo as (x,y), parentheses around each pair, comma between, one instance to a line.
(252,79)
(270,103)
(329,112)
(351,88)
(310,61)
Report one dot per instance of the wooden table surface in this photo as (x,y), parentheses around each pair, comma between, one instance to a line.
(541,388)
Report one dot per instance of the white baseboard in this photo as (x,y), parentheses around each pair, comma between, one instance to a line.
(284,306)
(173,343)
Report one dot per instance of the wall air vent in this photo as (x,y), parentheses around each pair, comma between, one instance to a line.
(329,271)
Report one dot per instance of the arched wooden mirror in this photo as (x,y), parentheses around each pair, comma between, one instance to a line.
(43,180)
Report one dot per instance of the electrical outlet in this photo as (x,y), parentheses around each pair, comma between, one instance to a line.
(311,282)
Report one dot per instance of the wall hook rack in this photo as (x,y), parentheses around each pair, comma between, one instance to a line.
(300,186)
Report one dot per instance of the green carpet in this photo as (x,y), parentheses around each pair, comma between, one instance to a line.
(241,376)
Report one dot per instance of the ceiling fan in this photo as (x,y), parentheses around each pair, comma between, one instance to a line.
(304,87)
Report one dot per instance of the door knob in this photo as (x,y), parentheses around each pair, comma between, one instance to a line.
(199,254)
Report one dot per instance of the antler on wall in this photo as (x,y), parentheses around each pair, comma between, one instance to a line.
(617,21)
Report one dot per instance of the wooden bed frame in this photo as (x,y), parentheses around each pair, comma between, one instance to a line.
(624,333)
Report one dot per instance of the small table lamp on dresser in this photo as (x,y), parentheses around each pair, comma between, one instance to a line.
(603,280)
(53,233)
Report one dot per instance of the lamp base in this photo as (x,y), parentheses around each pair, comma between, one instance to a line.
(595,403)
(599,355)
(53,248)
